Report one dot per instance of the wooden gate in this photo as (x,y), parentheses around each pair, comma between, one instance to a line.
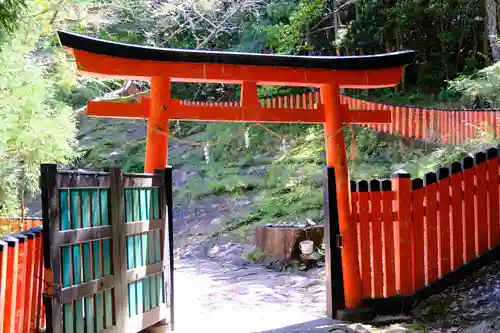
(108,250)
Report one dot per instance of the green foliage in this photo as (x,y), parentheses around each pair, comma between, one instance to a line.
(10,11)
(35,127)
(445,34)
(289,36)
(483,86)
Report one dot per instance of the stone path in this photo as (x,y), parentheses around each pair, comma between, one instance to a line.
(215,297)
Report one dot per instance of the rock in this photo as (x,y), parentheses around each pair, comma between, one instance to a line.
(241,262)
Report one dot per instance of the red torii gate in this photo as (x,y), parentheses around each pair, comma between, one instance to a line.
(163,66)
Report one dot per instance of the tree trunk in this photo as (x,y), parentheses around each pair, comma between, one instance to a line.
(336,24)
(308,38)
(491,24)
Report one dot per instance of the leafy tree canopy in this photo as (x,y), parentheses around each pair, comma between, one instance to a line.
(35,127)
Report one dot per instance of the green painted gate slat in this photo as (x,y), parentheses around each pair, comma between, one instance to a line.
(64,206)
(68,318)
(156,206)
(106,257)
(66,265)
(143,203)
(103,201)
(140,297)
(108,308)
(87,262)
(132,304)
(137,210)
(84,201)
(79,326)
(148,204)
(128,205)
(77,267)
(147,294)
(94,204)
(98,312)
(96,259)
(154,294)
(75,208)
(157,246)
(89,315)
(159,280)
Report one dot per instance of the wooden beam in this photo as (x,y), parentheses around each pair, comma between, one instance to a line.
(122,68)
(118,110)
(217,112)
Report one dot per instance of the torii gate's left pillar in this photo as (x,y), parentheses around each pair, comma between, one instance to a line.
(157,139)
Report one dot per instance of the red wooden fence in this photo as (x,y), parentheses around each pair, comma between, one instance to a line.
(446,126)
(15,224)
(21,282)
(414,232)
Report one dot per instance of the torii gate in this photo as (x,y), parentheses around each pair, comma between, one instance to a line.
(164,66)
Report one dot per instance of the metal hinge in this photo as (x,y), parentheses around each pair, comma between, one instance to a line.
(340,241)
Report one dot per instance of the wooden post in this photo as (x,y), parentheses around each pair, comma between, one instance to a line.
(333,252)
(117,201)
(157,140)
(51,252)
(336,157)
(163,178)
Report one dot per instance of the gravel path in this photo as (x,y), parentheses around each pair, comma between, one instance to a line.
(215,297)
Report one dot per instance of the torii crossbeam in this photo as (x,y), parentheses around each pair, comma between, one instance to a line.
(163,66)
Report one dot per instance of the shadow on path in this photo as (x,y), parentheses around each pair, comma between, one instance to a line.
(322,325)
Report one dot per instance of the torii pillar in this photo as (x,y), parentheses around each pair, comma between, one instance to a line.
(163,66)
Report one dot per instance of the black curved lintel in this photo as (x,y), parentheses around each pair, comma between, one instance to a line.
(137,52)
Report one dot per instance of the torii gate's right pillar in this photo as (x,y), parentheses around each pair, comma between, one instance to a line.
(336,157)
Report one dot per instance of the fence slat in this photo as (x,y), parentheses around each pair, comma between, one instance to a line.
(493,211)
(376,222)
(418,232)
(389,261)
(21,282)
(481,203)
(444,239)
(364,227)
(11,292)
(457,224)
(30,281)
(468,189)
(3,281)
(431,227)
(403,235)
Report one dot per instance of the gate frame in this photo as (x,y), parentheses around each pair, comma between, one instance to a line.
(115,181)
